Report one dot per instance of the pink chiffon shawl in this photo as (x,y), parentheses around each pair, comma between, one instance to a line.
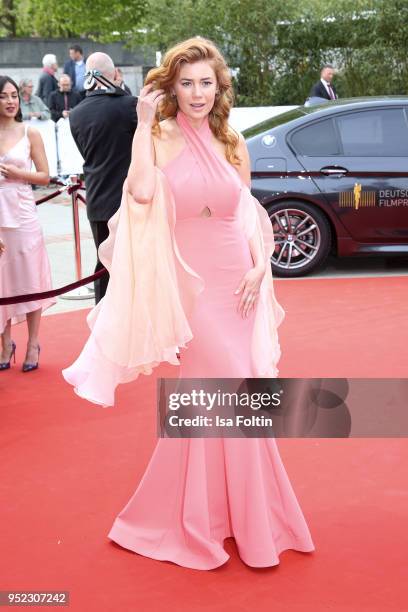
(144,317)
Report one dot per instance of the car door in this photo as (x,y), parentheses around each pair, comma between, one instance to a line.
(359,161)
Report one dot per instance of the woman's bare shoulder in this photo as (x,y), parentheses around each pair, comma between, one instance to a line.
(35,139)
(168,130)
(33,134)
(168,143)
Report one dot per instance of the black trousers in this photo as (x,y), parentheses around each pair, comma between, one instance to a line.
(100,233)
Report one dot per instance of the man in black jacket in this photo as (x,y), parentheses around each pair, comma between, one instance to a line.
(103,125)
(62,101)
(47,81)
(324,88)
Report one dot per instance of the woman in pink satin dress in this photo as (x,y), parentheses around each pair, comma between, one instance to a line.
(24,265)
(195,491)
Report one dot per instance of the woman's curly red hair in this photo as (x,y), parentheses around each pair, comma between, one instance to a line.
(189,51)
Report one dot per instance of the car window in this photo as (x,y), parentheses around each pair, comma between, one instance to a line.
(274,122)
(374,133)
(316,140)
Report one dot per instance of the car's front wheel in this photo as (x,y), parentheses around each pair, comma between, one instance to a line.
(302,238)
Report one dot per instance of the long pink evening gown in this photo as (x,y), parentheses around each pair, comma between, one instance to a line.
(196,492)
(24,266)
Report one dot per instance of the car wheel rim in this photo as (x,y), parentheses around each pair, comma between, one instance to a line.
(297,238)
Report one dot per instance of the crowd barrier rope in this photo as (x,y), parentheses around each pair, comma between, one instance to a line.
(77,289)
(80,292)
(29,297)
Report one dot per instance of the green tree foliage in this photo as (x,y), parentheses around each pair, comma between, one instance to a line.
(103,20)
(245,30)
(276,47)
(279,47)
(8,18)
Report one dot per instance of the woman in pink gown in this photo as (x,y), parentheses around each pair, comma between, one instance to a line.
(24,266)
(196,491)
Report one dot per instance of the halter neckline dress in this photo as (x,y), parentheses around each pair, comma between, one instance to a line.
(196,492)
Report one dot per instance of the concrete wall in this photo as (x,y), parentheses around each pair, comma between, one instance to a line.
(22,57)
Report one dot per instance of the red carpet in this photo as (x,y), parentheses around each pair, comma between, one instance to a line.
(67,468)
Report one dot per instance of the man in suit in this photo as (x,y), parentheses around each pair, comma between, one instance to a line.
(75,68)
(324,88)
(63,100)
(103,125)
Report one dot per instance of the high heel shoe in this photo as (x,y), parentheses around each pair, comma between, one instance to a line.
(5,365)
(28,367)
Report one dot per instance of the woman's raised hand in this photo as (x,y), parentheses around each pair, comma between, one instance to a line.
(147,103)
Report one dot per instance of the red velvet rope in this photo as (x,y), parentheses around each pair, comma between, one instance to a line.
(68,188)
(29,297)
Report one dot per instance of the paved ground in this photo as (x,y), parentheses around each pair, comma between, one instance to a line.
(56,218)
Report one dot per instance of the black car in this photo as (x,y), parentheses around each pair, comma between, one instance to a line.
(334,179)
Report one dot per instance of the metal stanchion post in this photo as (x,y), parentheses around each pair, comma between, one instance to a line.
(82,292)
